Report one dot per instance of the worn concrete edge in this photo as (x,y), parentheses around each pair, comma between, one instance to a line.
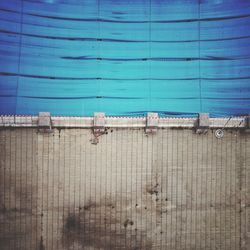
(122,122)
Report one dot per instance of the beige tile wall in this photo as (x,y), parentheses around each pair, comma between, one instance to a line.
(171,190)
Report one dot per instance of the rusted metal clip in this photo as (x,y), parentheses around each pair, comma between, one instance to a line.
(202,123)
(44,122)
(152,122)
(98,126)
(247,126)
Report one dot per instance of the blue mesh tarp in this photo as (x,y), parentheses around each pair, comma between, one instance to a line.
(125,57)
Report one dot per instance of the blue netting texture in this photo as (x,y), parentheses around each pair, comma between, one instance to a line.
(125,57)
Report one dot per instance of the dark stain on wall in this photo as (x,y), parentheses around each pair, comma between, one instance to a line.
(102,226)
(41,245)
(15,220)
(153,190)
(18,195)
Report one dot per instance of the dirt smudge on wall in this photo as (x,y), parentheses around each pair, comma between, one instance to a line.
(103,226)
(18,192)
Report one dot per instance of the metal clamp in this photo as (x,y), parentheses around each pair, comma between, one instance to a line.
(44,122)
(152,123)
(247,124)
(203,123)
(98,127)
(99,122)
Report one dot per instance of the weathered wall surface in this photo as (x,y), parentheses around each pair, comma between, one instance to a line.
(171,190)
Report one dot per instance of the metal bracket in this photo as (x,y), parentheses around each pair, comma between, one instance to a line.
(203,123)
(44,122)
(247,124)
(152,123)
(99,122)
(98,126)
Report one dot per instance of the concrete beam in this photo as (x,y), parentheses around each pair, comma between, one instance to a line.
(122,122)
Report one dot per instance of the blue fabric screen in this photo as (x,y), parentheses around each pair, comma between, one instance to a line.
(125,57)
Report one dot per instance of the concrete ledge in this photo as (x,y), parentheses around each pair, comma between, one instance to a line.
(121,122)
